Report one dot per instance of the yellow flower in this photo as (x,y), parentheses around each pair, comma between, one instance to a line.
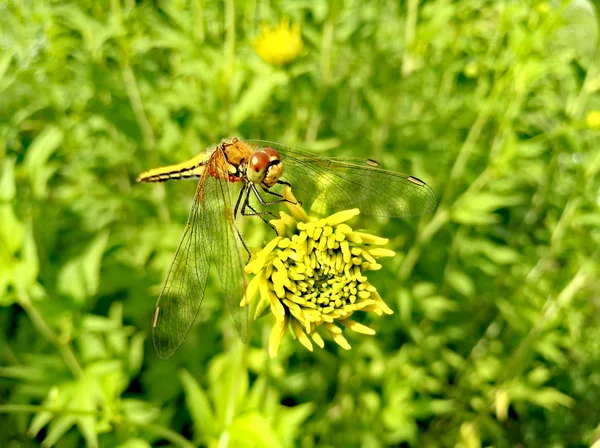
(279,45)
(311,276)
(592,119)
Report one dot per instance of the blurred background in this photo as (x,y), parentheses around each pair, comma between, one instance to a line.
(495,336)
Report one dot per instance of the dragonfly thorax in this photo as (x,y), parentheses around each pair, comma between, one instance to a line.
(264,167)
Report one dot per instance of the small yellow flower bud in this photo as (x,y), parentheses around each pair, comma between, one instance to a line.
(279,45)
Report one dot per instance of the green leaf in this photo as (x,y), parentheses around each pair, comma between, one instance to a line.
(546,397)
(58,428)
(23,372)
(442,407)
(5,60)
(499,254)
(139,411)
(136,353)
(290,420)
(57,398)
(461,282)
(469,436)
(40,420)
(27,269)
(255,97)
(255,429)
(539,375)
(199,406)
(476,209)
(579,30)
(258,392)
(91,262)
(36,159)
(424,289)
(117,340)
(8,187)
(228,381)
(71,281)
(104,367)
(405,305)
(84,400)
(99,324)
(92,347)
(79,278)
(436,307)
(11,229)
(135,443)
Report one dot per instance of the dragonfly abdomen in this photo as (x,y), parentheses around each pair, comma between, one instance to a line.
(192,168)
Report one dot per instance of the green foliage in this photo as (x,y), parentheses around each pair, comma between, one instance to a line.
(495,338)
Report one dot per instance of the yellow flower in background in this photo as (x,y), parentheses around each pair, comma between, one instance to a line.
(312,275)
(279,45)
(592,119)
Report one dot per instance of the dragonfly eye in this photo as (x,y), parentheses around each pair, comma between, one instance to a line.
(257,167)
(259,161)
(271,153)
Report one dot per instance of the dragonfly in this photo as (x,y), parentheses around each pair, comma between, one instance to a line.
(211,237)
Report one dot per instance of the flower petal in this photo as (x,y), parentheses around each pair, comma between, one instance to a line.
(341,217)
(299,332)
(357,327)
(277,333)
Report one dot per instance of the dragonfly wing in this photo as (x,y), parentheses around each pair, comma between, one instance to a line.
(228,253)
(184,288)
(336,185)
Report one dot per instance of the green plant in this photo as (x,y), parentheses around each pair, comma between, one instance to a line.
(494,336)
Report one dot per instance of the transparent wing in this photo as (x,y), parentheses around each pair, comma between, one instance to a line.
(337,184)
(228,253)
(209,237)
(184,288)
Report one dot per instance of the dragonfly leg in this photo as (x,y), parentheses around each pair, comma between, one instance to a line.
(243,212)
(254,212)
(235,211)
(244,190)
(283,182)
(243,243)
(263,202)
(261,216)
(246,203)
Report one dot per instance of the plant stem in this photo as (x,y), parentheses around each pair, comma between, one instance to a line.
(198,11)
(63,347)
(229,68)
(408,60)
(550,310)
(327,44)
(576,107)
(135,99)
(442,214)
(237,353)
(439,219)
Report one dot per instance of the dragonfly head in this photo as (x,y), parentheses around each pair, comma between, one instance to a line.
(264,167)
